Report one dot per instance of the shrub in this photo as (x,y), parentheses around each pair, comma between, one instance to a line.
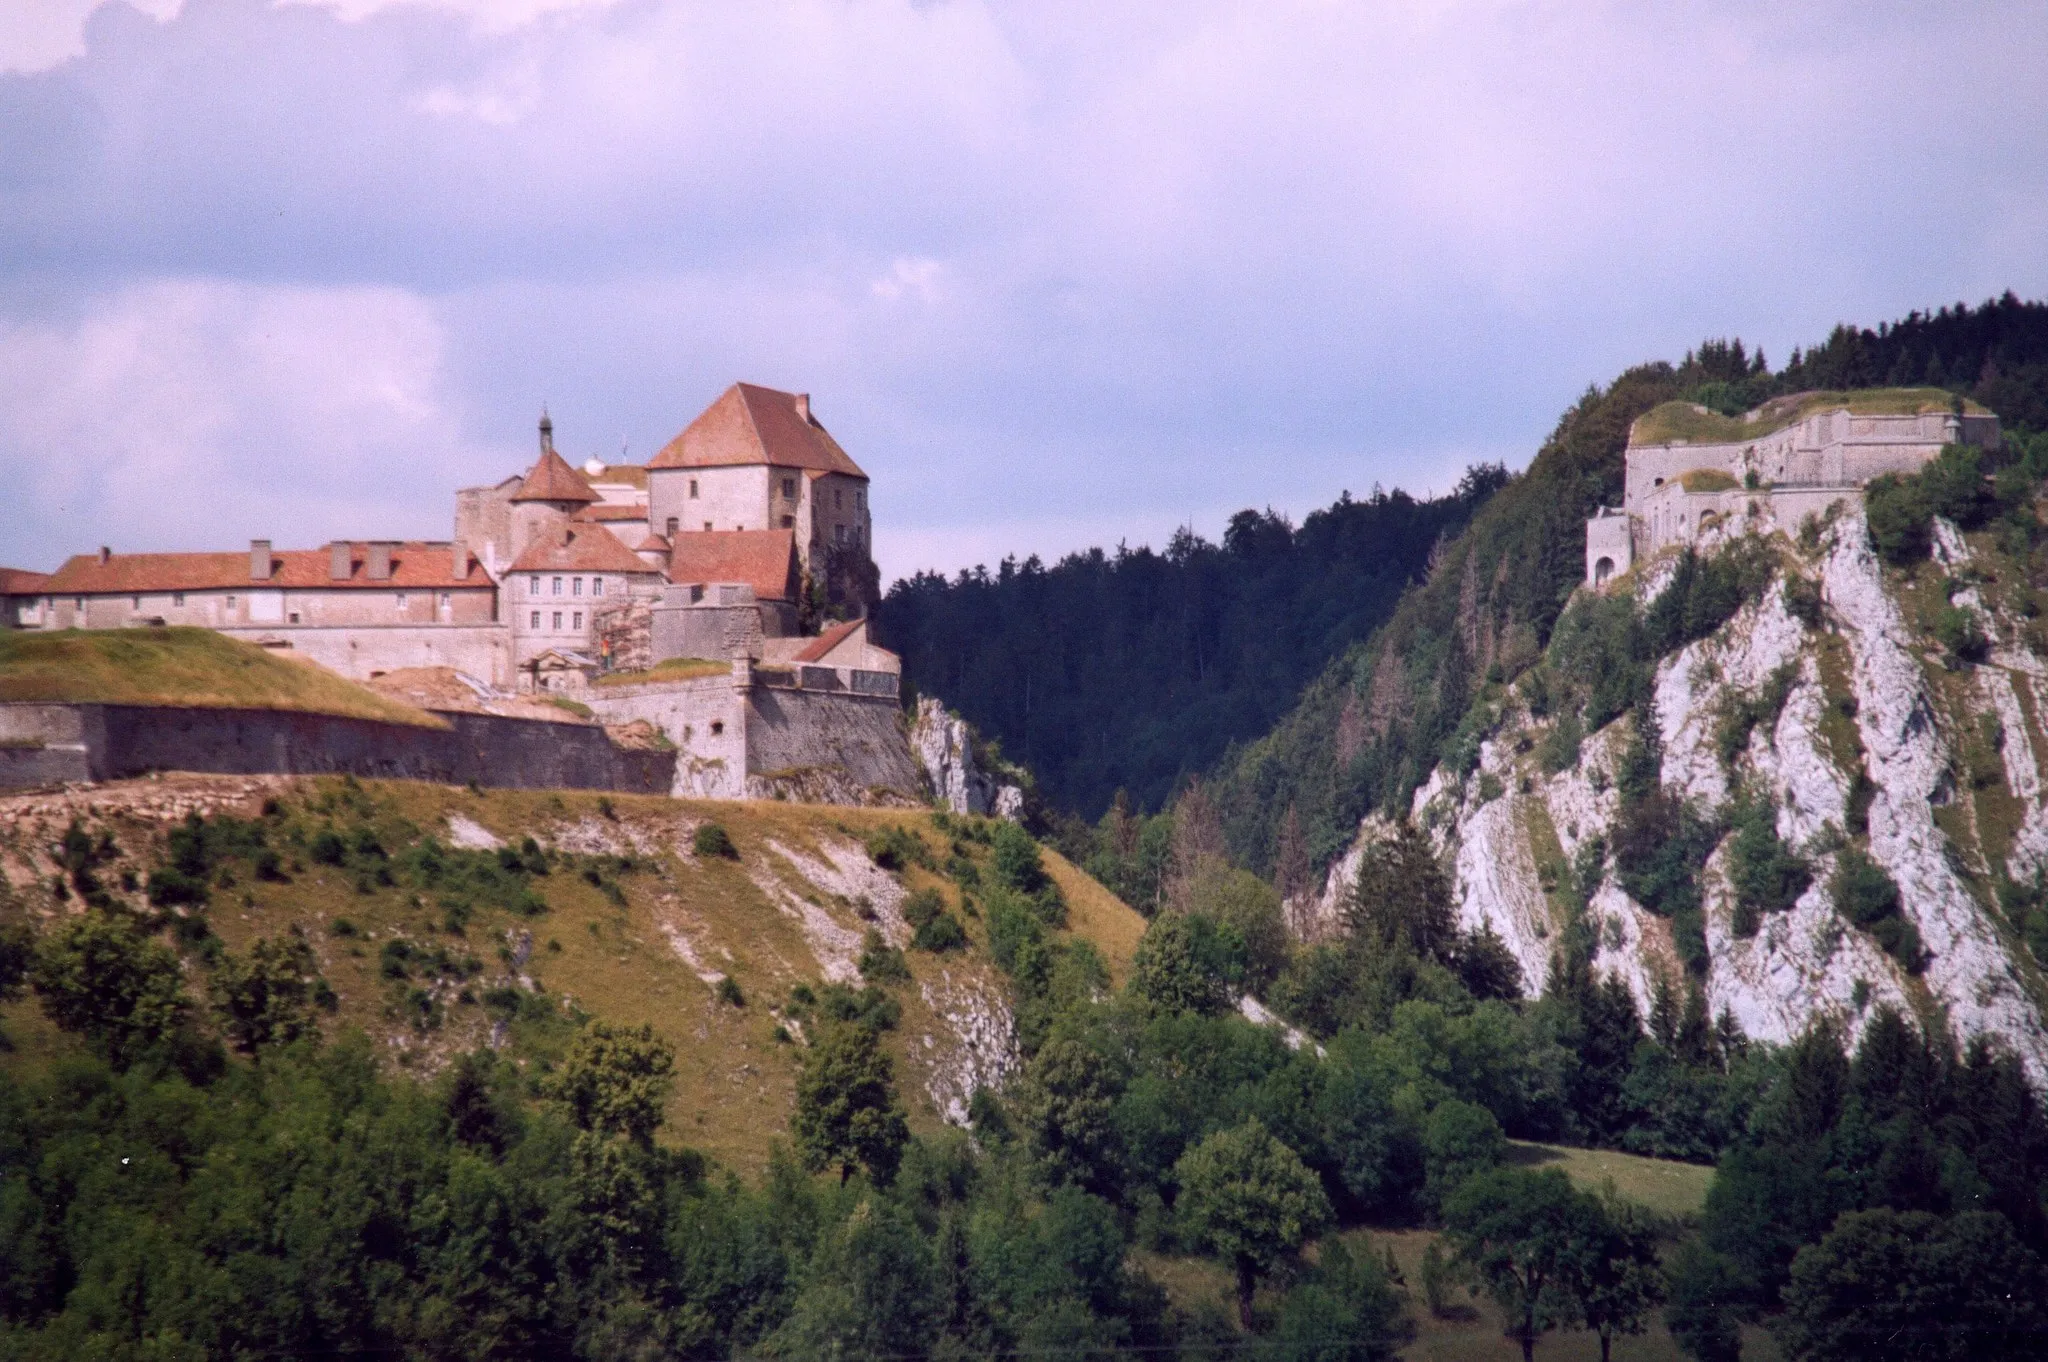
(1803,601)
(1765,873)
(1901,525)
(881,963)
(941,934)
(1869,897)
(893,848)
(729,992)
(327,847)
(1960,636)
(712,840)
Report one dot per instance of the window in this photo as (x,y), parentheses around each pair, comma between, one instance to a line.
(535,623)
(295,617)
(673,526)
(135,602)
(860,500)
(839,534)
(533,586)
(577,622)
(81,602)
(576,586)
(558,621)
(789,522)
(177,598)
(231,602)
(707,525)
(597,586)
(693,489)
(838,499)
(789,489)
(401,600)
(446,600)
(557,585)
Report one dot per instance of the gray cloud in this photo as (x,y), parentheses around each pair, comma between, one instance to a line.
(1048,270)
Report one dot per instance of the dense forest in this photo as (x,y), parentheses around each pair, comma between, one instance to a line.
(1135,669)
(207,1174)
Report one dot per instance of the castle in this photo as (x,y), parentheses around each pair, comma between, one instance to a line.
(1689,469)
(732,541)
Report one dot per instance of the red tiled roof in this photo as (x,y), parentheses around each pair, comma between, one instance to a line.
(824,643)
(604,511)
(21,582)
(551,479)
(750,425)
(765,559)
(415,566)
(619,474)
(575,548)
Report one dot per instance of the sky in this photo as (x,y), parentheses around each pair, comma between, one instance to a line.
(1056,274)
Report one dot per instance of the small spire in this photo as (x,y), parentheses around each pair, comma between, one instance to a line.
(547,432)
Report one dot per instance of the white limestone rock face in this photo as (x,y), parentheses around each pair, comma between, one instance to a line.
(1494,827)
(944,748)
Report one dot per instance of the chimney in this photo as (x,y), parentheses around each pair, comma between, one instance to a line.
(547,433)
(259,560)
(380,560)
(105,554)
(459,568)
(803,405)
(340,560)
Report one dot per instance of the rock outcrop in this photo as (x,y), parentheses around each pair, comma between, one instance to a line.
(944,745)
(1952,755)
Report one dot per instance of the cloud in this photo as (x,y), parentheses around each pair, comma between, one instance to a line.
(1192,256)
(200,414)
(36,35)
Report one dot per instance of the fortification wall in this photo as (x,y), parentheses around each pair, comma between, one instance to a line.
(792,729)
(705,717)
(110,742)
(482,650)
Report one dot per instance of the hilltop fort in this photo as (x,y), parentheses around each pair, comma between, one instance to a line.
(1689,469)
(718,593)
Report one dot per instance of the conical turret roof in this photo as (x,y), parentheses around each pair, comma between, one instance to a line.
(551,479)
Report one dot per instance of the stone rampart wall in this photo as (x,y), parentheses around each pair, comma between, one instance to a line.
(482,650)
(705,717)
(793,729)
(110,742)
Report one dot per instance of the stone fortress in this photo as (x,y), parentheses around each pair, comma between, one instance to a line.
(1689,469)
(742,548)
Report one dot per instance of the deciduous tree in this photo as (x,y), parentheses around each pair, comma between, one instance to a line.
(846,1108)
(1249,1199)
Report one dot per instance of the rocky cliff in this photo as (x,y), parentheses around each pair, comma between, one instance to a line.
(1894,715)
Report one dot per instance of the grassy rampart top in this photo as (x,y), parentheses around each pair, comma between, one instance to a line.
(1696,425)
(674,669)
(189,668)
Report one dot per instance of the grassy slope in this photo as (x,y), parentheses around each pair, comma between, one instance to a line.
(1686,421)
(187,667)
(734,1080)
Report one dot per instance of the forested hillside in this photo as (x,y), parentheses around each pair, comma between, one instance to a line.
(1130,670)
(1383,713)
